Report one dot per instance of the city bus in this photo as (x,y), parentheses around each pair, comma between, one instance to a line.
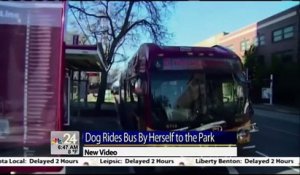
(175,88)
(31,79)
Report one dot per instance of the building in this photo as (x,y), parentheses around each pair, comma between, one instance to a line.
(277,35)
(84,68)
(213,40)
(75,39)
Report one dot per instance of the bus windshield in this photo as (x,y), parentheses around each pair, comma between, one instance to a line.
(186,96)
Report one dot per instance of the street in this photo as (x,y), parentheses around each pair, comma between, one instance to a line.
(278,136)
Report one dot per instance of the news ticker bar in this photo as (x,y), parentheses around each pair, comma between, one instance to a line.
(159,151)
(150,161)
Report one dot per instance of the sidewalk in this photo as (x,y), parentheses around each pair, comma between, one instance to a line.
(278,108)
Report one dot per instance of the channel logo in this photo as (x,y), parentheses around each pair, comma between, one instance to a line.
(64,142)
(56,141)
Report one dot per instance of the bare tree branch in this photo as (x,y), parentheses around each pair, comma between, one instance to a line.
(122,32)
(117,48)
(120,23)
(123,56)
(120,9)
(88,23)
(80,26)
(110,22)
(86,13)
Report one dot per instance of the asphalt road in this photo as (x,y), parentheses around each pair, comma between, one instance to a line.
(278,136)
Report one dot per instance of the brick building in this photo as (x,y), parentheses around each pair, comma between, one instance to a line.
(278,35)
(277,40)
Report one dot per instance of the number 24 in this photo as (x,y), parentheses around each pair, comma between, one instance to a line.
(70,139)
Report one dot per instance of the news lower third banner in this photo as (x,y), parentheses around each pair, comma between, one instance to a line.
(145,149)
(147,144)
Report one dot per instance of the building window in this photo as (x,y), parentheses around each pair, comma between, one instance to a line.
(288,32)
(255,41)
(277,35)
(245,45)
(262,40)
(259,41)
(285,56)
(248,45)
(283,33)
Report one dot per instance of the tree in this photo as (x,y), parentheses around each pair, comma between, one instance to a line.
(257,71)
(113,24)
(250,57)
(286,88)
(114,75)
(250,60)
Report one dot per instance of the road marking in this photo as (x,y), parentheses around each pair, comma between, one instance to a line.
(249,147)
(288,172)
(279,130)
(232,170)
(294,169)
(262,154)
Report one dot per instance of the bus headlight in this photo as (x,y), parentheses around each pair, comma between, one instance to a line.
(254,128)
(242,134)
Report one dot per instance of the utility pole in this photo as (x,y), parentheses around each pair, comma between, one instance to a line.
(271,89)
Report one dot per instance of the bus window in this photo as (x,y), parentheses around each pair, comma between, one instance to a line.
(227,89)
(188,95)
(225,96)
(177,94)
